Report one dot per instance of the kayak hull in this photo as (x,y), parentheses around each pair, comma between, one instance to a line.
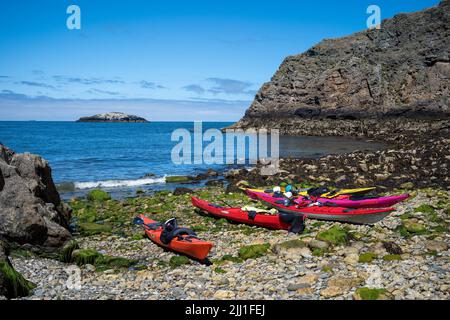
(241,216)
(349,215)
(192,247)
(345,202)
(378,202)
(331,194)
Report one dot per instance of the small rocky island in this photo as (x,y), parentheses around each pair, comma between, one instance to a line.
(112,117)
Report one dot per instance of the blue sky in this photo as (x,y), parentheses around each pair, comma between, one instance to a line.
(166,59)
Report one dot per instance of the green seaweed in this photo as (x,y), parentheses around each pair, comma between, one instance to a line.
(219,270)
(253,251)
(334,235)
(177,261)
(392,257)
(66,252)
(425,208)
(85,256)
(319,252)
(225,258)
(175,179)
(105,262)
(89,228)
(369,293)
(15,285)
(367,257)
(98,195)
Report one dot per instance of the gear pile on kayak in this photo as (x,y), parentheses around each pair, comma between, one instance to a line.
(289,210)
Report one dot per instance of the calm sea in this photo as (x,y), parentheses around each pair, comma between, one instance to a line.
(118,156)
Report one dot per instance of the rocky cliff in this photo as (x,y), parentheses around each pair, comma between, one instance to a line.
(375,81)
(31,211)
(112,117)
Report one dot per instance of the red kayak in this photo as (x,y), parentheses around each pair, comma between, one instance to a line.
(169,236)
(347,201)
(320,212)
(281,221)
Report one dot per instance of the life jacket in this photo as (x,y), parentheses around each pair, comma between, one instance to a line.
(171,230)
(296,221)
(315,193)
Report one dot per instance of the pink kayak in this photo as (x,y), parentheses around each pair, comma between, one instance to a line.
(346,202)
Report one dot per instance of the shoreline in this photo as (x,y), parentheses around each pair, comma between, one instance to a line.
(384,256)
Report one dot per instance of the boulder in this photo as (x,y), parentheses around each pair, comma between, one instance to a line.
(181,190)
(31,210)
(12,283)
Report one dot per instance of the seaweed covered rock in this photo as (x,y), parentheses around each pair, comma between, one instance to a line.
(31,210)
(12,283)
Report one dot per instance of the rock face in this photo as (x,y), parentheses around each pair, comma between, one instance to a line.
(31,210)
(112,117)
(397,76)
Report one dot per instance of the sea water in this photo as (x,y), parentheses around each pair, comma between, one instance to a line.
(122,157)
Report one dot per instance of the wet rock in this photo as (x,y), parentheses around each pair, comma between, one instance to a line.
(317,244)
(436,246)
(181,190)
(31,209)
(392,247)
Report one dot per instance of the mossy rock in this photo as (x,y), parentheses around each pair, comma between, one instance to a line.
(21,253)
(227,258)
(98,195)
(334,235)
(327,269)
(12,283)
(296,243)
(415,227)
(407,185)
(367,257)
(403,232)
(105,262)
(89,228)
(289,245)
(199,228)
(371,294)
(85,256)
(425,208)
(253,251)
(177,179)
(100,261)
(137,236)
(65,254)
(177,261)
(392,257)
(219,270)
(319,252)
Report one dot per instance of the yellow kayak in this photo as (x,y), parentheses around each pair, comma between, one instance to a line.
(331,194)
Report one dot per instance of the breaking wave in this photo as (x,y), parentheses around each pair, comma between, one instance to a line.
(118,183)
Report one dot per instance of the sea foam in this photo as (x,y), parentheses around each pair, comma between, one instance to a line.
(118,183)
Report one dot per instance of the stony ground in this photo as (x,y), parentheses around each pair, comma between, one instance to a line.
(405,256)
